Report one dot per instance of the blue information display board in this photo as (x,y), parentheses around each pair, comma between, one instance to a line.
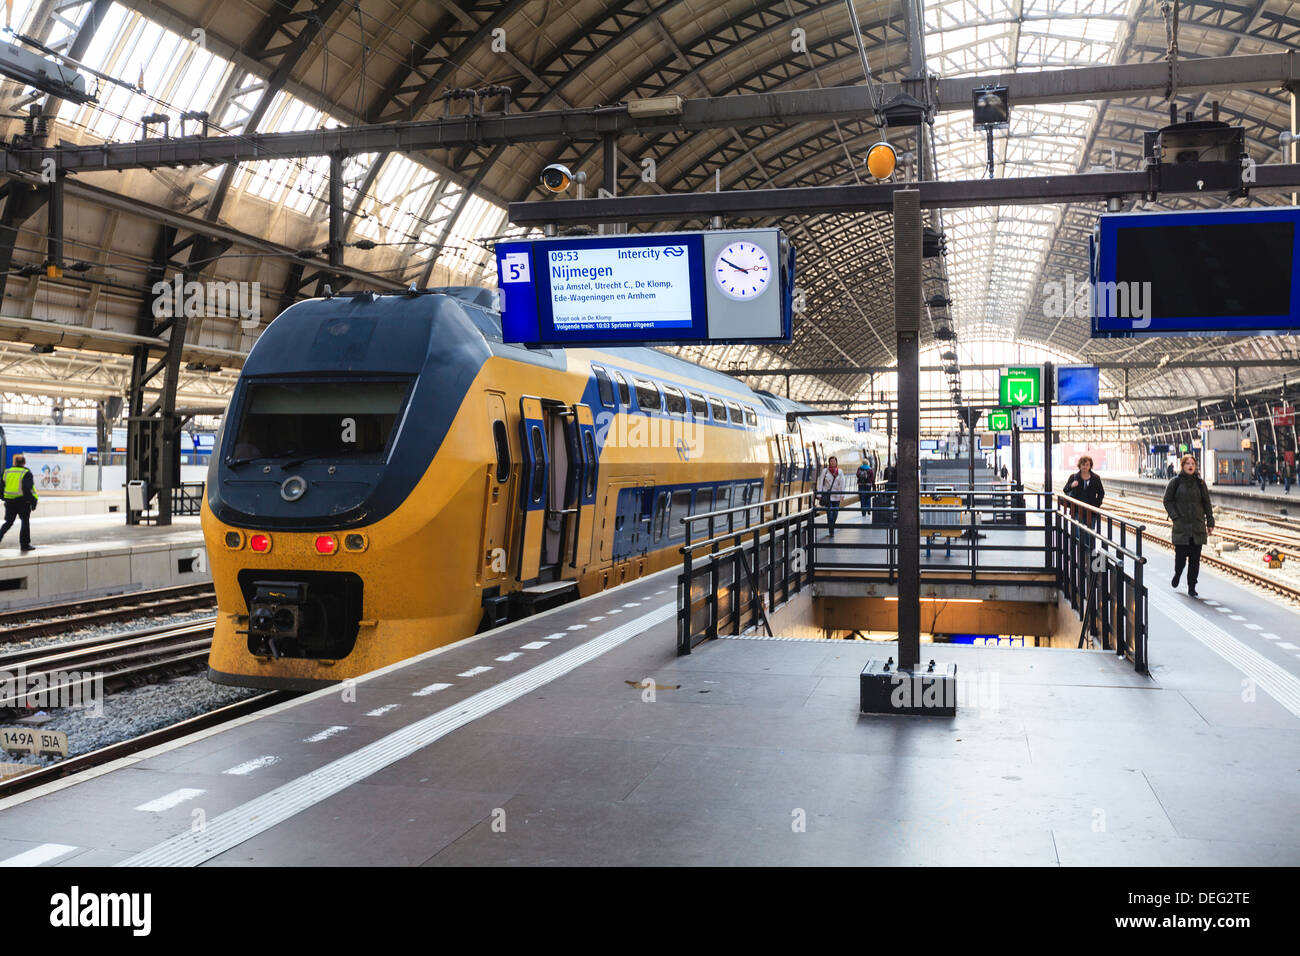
(718,286)
(1225,271)
(1078,385)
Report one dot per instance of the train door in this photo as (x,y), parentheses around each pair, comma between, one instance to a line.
(496,509)
(780,465)
(791,472)
(532,486)
(585,521)
(560,481)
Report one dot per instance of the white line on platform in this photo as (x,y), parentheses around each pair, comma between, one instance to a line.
(598,617)
(1252,627)
(1236,617)
(475,671)
(507,658)
(325,734)
(261,813)
(554,637)
(1273,679)
(615,610)
(248,766)
(1287,646)
(169,800)
(1211,602)
(1269,636)
(38,855)
(534,645)
(576,627)
(431,689)
(1224,610)
(380,711)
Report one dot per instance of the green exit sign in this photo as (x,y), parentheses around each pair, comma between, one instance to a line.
(999,420)
(1021,386)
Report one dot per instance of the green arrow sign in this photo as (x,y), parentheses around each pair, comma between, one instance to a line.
(999,420)
(1021,386)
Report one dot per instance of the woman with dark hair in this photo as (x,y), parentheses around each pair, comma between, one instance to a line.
(1085,485)
(1187,502)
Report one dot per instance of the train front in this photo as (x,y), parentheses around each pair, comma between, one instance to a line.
(332,510)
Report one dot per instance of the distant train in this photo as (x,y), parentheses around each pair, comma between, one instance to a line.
(392,477)
(52,439)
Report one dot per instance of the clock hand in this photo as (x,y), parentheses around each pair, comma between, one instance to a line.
(733,265)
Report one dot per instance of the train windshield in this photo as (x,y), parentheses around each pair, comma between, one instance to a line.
(307,420)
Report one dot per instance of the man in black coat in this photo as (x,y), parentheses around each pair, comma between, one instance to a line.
(1085,485)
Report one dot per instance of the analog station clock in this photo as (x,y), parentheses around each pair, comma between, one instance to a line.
(742,271)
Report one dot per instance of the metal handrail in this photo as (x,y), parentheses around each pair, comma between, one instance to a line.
(688,519)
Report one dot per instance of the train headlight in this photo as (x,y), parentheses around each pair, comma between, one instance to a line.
(234,540)
(355,542)
(261,543)
(326,544)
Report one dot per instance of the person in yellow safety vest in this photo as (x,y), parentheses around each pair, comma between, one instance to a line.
(20,498)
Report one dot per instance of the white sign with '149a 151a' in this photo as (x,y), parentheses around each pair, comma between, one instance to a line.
(641,287)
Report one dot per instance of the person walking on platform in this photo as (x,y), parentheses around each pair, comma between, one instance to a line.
(1085,485)
(20,500)
(830,488)
(1187,502)
(1288,474)
(1004,472)
(866,478)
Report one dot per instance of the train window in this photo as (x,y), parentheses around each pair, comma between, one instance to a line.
(719,410)
(503,449)
(681,507)
(537,488)
(751,419)
(647,395)
(703,501)
(736,417)
(675,400)
(590,446)
(721,502)
(328,419)
(604,386)
(624,394)
(699,407)
(661,514)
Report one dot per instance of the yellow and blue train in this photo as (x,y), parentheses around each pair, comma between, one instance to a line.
(392,477)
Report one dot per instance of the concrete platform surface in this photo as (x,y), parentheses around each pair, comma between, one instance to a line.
(578,737)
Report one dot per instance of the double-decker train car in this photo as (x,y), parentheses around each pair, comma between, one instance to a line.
(391,477)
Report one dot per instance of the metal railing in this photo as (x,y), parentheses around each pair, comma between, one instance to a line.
(731,578)
(187,498)
(1100,568)
(757,556)
(984,534)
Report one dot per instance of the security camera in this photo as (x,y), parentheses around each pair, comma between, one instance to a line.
(556,178)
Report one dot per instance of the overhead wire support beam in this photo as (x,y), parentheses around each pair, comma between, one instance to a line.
(784,108)
(828,200)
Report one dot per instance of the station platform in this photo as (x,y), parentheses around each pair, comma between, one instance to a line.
(1273,500)
(97,554)
(579,737)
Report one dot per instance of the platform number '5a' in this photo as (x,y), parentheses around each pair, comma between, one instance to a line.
(514,267)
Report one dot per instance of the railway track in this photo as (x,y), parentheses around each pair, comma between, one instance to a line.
(39,776)
(1150,517)
(26,623)
(68,671)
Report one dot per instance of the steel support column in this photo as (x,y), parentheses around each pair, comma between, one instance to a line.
(907,318)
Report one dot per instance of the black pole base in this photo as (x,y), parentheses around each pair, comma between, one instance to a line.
(929,690)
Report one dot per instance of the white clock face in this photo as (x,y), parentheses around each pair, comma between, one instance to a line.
(742,271)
